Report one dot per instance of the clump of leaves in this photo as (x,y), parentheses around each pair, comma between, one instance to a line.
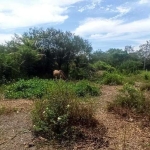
(59,116)
(84,88)
(130,98)
(112,79)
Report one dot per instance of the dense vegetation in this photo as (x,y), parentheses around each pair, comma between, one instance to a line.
(38,52)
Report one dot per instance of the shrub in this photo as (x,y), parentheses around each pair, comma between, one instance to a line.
(59,116)
(33,88)
(84,87)
(130,98)
(100,65)
(130,66)
(112,79)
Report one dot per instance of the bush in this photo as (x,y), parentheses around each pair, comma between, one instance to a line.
(59,116)
(130,98)
(33,88)
(112,79)
(100,65)
(130,66)
(84,88)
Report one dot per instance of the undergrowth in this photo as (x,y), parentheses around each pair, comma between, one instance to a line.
(130,98)
(39,88)
(60,116)
(112,79)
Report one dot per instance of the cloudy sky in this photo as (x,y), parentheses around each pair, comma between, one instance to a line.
(105,23)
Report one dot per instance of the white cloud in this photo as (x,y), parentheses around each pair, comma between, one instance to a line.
(111,29)
(144,1)
(22,13)
(5,37)
(92,5)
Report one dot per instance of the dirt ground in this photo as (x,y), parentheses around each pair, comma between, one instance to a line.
(122,134)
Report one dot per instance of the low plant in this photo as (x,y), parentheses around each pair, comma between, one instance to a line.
(33,88)
(39,88)
(84,88)
(129,98)
(61,114)
(112,79)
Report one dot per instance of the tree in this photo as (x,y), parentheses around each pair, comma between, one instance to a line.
(42,51)
(61,47)
(117,56)
(144,52)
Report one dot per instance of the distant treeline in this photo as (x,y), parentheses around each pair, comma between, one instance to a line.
(38,52)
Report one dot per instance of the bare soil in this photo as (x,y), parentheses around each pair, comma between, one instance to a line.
(120,134)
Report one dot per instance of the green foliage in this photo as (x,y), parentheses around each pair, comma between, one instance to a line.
(33,88)
(130,98)
(130,66)
(58,116)
(100,65)
(112,79)
(84,88)
(40,88)
(146,75)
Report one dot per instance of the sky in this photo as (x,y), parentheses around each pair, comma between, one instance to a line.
(104,23)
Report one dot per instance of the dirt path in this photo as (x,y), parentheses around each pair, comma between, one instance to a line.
(15,128)
(122,134)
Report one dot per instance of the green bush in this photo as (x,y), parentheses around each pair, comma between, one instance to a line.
(130,98)
(100,65)
(33,88)
(130,66)
(59,116)
(112,79)
(84,88)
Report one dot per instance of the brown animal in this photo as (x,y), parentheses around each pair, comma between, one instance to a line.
(59,74)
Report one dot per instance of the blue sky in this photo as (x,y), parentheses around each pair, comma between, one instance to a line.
(104,23)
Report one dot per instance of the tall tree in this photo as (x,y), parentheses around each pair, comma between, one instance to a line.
(144,52)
